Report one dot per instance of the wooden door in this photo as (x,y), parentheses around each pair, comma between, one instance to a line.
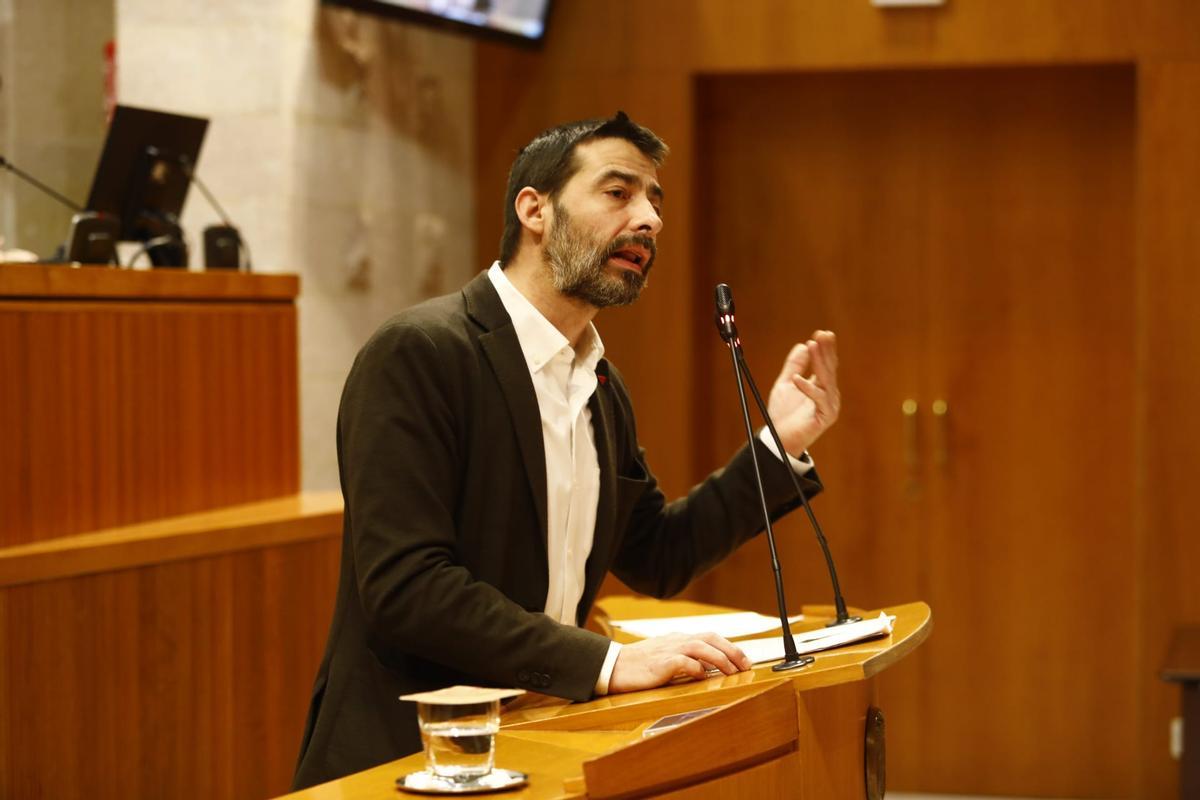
(967,233)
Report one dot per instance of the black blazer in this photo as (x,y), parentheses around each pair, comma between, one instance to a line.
(444,569)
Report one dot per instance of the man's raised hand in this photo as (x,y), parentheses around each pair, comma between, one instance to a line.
(804,400)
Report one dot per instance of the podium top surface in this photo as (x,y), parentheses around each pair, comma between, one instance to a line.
(550,738)
(852,662)
(47,282)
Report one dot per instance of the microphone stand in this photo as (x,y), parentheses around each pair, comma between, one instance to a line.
(227,227)
(92,235)
(791,658)
(843,616)
(727,327)
(25,176)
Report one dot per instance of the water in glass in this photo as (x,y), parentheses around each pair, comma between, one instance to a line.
(460,740)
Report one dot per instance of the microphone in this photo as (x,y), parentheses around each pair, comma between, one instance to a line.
(92,236)
(11,167)
(728,330)
(223,244)
(724,316)
(725,308)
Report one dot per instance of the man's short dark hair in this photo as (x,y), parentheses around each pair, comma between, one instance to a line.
(548,162)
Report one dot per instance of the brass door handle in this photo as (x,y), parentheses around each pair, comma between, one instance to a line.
(941,426)
(912,457)
(909,409)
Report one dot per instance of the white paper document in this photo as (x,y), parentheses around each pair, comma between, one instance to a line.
(738,623)
(761,650)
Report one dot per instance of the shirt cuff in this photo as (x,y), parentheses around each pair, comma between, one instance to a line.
(606,671)
(800,465)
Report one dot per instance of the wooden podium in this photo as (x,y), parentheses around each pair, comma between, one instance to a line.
(164,587)
(799,734)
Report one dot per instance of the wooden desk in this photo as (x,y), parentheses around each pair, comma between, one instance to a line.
(1183,667)
(758,745)
(164,588)
(128,396)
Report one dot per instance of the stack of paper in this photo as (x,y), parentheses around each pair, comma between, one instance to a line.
(738,623)
(760,650)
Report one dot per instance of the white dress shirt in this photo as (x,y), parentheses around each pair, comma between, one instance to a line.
(563,380)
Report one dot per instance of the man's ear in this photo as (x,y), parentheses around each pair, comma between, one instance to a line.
(533,210)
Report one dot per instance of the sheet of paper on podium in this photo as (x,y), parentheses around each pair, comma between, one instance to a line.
(762,650)
(738,623)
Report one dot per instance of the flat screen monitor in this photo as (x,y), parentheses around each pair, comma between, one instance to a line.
(144,171)
(520,21)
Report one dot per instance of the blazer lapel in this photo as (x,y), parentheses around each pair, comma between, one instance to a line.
(601,405)
(503,351)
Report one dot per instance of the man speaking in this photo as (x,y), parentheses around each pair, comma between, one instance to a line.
(492,475)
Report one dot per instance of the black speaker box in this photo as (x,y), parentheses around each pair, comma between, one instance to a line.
(92,238)
(222,247)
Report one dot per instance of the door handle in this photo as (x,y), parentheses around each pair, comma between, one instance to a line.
(941,428)
(909,409)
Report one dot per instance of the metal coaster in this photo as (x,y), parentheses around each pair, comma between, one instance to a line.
(425,782)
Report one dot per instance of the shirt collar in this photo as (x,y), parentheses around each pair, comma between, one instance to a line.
(540,340)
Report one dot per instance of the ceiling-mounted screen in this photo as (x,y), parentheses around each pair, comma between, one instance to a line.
(516,20)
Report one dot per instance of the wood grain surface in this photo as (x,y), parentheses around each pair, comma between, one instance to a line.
(115,412)
(182,679)
(55,282)
(175,657)
(1168,549)
(801,735)
(742,735)
(246,527)
(1183,658)
(970,233)
(853,662)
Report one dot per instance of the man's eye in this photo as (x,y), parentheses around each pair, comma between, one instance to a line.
(616,192)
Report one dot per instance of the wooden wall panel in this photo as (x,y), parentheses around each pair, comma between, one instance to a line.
(116,412)
(1033,350)
(187,679)
(1169,354)
(765,36)
(970,253)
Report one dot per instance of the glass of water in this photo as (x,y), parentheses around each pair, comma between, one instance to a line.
(459,738)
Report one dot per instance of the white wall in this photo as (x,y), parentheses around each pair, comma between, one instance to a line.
(341,146)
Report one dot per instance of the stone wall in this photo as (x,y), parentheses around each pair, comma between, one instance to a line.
(341,146)
(52,116)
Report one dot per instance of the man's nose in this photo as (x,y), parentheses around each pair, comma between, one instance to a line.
(645,219)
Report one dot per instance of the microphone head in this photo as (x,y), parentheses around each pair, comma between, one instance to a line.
(724,315)
(724,297)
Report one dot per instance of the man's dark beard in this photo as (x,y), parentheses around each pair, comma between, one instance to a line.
(578,264)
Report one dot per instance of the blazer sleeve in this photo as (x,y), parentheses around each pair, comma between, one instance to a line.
(665,545)
(398,434)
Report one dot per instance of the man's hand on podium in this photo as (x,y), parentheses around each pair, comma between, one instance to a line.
(656,661)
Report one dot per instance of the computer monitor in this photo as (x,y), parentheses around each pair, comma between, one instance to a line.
(144,175)
(517,21)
